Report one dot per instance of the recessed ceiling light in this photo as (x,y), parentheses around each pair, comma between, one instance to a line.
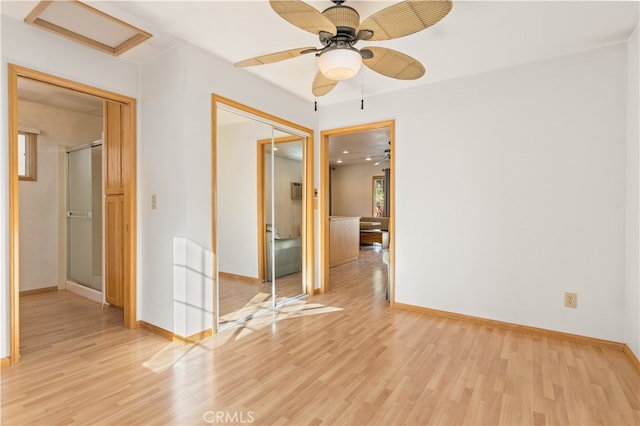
(345,152)
(87,25)
(339,161)
(377,163)
(368,158)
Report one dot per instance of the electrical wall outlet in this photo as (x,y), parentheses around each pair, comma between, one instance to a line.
(571,300)
(154,201)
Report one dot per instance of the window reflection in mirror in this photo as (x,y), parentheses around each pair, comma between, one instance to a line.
(378,196)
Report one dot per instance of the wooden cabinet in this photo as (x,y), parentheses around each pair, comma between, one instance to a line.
(113,144)
(344,240)
(114,249)
(371,236)
(115,215)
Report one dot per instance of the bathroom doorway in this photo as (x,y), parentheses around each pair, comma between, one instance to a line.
(120,229)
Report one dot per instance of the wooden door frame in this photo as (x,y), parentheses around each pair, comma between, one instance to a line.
(325,135)
(129,176)
(307,207)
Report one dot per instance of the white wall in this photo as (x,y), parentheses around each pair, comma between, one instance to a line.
(163,171)
(237,197)
(632,296)
(33,48)
(176,165)
(41,255)
(352,189)
(510,190)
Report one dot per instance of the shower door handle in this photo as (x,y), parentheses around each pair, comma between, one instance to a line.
(82,214)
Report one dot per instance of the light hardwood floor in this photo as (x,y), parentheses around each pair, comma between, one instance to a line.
(235,294)
(364,364)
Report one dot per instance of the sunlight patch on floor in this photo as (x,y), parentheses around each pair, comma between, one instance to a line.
(175,351)
(259,302)
(294,309)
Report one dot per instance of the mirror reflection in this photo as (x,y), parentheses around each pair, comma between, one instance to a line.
(283,213)
(259,223)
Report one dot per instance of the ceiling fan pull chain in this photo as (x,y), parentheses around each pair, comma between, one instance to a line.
(362,96)
(315,98)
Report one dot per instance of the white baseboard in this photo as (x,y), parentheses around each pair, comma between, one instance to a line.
(83,291)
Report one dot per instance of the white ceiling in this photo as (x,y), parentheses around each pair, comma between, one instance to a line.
(48,94)
(476,36)
(373,144)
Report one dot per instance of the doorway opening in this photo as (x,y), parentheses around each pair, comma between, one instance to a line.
(371,214)
(119,140)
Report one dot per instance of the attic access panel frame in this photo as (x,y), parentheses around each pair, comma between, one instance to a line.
(84,24)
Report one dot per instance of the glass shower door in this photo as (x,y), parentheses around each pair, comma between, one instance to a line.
(84,229)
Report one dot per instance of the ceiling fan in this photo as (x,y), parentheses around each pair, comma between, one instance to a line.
(383,158)
(339,29)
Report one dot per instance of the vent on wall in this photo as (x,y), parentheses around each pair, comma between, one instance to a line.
(296,191)
(86,25)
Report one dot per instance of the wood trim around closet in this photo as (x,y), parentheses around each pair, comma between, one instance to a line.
(307,172)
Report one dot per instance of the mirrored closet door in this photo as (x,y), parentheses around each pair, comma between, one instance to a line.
(260,214)
(283,209)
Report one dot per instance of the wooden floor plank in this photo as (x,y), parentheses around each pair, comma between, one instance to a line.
(363,364)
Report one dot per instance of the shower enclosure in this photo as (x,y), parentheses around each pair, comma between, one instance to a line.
(84,219)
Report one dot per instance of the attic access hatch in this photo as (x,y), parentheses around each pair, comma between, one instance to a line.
(86,25)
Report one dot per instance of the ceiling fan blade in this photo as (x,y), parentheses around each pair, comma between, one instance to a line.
(275,57)
(394,64)
(404,18)
(322,85)
(303,16)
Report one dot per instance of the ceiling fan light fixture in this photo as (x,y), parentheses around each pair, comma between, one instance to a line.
(340,63)
(339,29)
